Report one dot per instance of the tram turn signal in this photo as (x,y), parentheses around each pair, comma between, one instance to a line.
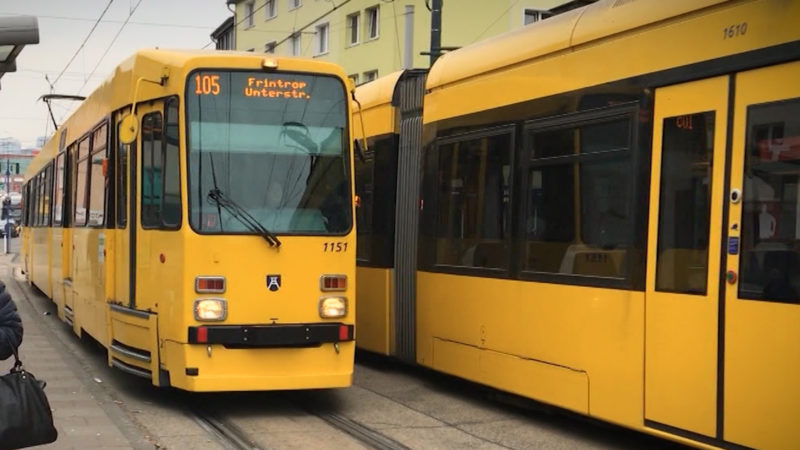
(206,285)
(333,283)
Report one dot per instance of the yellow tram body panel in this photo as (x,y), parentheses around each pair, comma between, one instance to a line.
(136,288)
(576,347)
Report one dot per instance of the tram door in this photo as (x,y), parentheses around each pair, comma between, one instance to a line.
(761,405)
(123,164)
(683,262)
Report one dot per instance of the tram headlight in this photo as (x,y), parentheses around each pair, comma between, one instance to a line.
(332,307)
(210,309)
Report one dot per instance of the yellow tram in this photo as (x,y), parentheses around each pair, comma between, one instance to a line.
(600,211)
(195,216)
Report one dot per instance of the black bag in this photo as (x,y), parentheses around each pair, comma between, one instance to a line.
(25,415)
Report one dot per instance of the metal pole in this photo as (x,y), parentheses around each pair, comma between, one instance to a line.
(408,45)
(436,30)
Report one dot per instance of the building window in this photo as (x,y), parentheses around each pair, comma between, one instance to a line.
(534,15)
(248,14)
(353,21)
(370,75)
(294,4)
(354,78)
(372,22)
(269,47)
(294,45)
(321,39)
(269,9)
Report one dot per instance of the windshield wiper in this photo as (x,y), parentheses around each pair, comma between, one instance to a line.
(243,216)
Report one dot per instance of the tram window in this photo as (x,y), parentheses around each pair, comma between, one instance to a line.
(365,190)
(152,166)
(58,202)
(32,202)
(122,182)
(97,190)
(42,197)
(376,180)
(48,189)
(579,219)
(97,179)
(684,203)
(80,183)
(171,204)
(770,239)
(474,202)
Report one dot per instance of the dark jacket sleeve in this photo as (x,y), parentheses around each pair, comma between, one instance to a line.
(10,324)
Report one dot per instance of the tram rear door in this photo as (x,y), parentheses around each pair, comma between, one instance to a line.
(723,287)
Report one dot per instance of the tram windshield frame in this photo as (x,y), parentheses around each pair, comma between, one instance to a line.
(276,143)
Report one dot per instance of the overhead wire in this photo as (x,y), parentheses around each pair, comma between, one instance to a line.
(150,24)
(496,20)
(130,14)
(97,22)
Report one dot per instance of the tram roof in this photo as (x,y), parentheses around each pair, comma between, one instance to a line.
(560,33)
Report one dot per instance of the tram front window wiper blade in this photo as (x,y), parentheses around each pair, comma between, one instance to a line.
(243,216)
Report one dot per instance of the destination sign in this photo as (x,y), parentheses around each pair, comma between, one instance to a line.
(266,87)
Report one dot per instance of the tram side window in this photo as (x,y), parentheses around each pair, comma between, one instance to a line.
(171,205)
(579,218)
(58,201)
(122,181)
(32,202)
(25,208)
(474,201)
(48,189)
(770,239)
(81,179)
(376,180)
(41,214)
(97,191)
(152,166)
(365,191)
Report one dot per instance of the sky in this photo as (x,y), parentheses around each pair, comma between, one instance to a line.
(63,27)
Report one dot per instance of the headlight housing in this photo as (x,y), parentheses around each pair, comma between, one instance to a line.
(332,307)
(210,309)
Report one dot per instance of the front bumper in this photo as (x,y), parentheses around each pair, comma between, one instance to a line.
(277,335)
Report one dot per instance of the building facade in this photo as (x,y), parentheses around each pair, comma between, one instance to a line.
(15,164)
(372,38)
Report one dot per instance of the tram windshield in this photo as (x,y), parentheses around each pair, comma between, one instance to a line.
(276,144)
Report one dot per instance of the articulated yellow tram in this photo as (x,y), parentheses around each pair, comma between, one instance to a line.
(600,211)
(194,215)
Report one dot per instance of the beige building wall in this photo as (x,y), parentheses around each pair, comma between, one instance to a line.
(463,22)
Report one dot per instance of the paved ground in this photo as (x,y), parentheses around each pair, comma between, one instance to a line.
(84,414)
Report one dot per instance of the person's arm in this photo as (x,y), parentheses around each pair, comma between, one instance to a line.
(10,324)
